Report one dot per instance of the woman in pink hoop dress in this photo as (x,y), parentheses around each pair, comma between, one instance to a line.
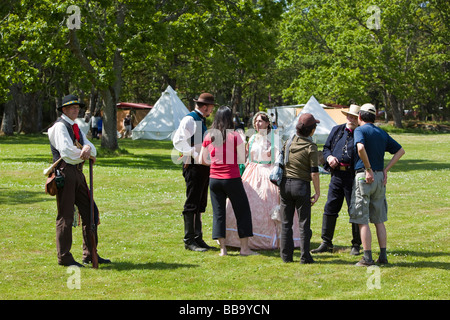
(263,196)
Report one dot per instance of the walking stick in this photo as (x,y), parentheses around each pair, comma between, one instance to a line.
(94,255)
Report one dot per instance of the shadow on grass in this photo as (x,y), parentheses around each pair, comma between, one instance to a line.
(336,259)
(145,144)
(134,159)
(42,139)
(129,160)
(405,165)
(164,161)
(25,139)
(150,161)
(126,265)
(421,263)
(15,197)
(332,258)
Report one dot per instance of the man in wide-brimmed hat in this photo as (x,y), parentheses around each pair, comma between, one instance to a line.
(205,99)
(70,100)
(188,140)
(338,154)
(63,136)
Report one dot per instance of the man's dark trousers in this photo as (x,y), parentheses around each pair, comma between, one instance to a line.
(196,177)
(74,192)
(340,187)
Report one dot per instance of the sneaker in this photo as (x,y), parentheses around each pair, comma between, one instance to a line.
(355,251)
(307,261)
(364,263)
(382,261)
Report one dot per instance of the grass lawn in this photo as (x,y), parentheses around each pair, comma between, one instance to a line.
(141,195)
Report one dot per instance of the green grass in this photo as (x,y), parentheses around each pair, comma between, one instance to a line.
(140,195)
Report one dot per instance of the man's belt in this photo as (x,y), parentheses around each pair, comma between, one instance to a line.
(342,168)
(78,166)
(363,170)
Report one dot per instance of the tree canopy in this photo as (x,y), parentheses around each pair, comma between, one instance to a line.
(248,53)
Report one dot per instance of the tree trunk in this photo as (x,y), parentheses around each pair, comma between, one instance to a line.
(390,100)
(8,118)
(397,112)
(111,94)
(236,99)
(30,108)
(109,132)
(93,100)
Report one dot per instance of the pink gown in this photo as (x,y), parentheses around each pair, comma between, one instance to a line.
(263,197)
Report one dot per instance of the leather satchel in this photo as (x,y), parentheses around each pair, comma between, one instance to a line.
(276,175)
(54,182)
(50,184)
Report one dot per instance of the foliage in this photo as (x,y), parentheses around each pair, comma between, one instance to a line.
(247,53)
(349,51)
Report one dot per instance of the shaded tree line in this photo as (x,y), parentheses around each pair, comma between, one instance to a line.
(249,53)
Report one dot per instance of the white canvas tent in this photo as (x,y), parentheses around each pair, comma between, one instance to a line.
(83,125)
(284,114)
(161,122)
(323,128)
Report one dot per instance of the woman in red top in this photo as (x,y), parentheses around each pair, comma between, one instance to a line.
(223,149)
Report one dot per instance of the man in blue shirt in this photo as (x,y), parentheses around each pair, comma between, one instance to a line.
(369,192)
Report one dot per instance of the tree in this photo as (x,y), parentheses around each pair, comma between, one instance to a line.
(346,51)
(36,67)
(134,49)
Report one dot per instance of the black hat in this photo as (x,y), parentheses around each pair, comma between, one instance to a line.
(70,100)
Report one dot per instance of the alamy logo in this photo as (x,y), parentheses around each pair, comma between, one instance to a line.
(373,22)
(74,281)
(374,280)
(74,20)
(178,157)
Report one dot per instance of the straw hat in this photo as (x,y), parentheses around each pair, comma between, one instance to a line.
(353,110)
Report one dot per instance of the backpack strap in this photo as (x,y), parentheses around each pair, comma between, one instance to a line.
(286,149)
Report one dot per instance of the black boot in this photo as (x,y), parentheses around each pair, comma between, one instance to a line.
(198,232)
(328,227)
(356,241)
(202,244)
(189,233)
(305,242)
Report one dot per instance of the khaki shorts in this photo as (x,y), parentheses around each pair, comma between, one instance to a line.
(368,200)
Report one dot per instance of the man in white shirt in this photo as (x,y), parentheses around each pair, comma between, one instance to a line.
(188,140)
(62,136)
